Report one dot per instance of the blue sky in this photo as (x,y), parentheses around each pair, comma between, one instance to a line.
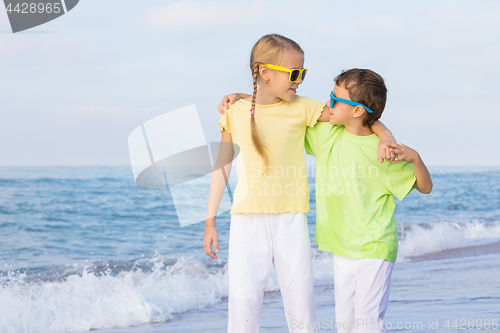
(73,89)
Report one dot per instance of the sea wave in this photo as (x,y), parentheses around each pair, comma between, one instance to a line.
(105,300)
(106,297)
(425,238)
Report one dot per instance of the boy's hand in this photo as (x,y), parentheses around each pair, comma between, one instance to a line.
(226,100)
(404,153)
(384,151)
(211,236)
(423,183)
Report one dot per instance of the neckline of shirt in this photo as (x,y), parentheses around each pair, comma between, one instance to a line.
(361,137)
(264,105)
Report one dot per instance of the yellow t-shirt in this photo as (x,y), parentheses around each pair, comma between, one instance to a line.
(283,187)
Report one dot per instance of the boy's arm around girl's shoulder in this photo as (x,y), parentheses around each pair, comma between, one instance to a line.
(230,99)
(423,183)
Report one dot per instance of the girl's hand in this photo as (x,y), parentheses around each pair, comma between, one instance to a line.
(226,100)
(211,236)
(384,151)
(404,153)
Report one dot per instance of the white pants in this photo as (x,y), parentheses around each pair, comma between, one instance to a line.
(256,242)
(361,293)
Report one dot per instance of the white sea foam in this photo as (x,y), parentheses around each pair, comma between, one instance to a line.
(435,237)
(89,301)
(101,301)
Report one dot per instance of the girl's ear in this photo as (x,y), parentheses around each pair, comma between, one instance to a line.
(264,72)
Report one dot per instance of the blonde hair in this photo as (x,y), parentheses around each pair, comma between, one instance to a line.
(269,49)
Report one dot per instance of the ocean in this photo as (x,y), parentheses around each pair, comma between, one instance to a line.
(84,248)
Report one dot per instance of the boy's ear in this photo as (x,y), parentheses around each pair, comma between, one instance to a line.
(359,111)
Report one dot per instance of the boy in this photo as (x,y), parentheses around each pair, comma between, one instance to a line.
(354,198)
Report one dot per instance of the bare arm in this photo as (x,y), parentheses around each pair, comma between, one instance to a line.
(424,182)
(385,135)
(220,176)
(325,115)
(230,99)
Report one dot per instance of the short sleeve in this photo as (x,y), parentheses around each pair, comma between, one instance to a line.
(319,138)
(400,178)
(313,109)
(225,122)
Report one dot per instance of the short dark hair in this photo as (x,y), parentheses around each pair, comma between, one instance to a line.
(365,87)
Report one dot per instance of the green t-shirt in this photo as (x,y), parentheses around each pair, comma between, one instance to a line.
(354,193)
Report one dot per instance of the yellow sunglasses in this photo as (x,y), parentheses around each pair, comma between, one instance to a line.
(294,73)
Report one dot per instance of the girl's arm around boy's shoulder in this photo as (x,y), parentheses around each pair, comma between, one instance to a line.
(385,136)
(315,111)
(423,183)
(325,115)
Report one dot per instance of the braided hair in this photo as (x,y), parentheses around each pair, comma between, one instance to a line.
(269,49)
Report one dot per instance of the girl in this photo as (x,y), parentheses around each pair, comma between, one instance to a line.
(268,215)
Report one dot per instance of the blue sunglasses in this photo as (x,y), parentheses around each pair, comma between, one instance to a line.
(346,101)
